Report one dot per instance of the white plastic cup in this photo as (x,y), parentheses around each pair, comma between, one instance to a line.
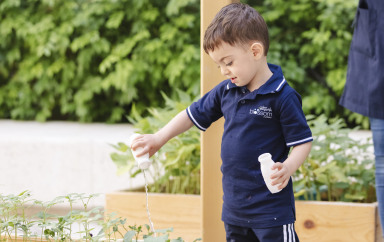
(143,162)
(266,164)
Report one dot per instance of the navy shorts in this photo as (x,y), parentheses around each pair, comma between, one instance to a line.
(284,233)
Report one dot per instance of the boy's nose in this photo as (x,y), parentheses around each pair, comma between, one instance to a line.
(224,71)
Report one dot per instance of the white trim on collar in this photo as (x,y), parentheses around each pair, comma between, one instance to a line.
(281,83)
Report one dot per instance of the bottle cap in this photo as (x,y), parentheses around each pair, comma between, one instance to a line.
(264,157)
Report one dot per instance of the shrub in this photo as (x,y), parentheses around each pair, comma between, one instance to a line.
(338,168)
(310,39)
(176,166)
(90,60)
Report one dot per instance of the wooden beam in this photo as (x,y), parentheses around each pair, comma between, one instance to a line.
(211,188)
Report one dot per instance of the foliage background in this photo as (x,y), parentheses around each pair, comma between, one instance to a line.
(338,168)
(310,39)
(89,60)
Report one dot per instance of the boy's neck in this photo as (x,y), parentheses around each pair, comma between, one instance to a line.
(263,75)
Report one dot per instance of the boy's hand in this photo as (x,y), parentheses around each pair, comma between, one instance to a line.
(281,176)
(150,143)
(285,170)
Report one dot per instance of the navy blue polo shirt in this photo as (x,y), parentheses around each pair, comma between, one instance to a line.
(269,119)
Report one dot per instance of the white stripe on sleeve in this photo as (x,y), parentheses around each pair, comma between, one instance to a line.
(299,141)
(194,120)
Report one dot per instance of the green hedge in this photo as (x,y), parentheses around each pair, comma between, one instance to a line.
(89,60)
(310,39)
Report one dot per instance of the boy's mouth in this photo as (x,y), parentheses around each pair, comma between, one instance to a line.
(233,79)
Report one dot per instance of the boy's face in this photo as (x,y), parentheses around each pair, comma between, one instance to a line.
(237,63)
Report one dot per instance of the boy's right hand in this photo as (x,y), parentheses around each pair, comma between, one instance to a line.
(150,143)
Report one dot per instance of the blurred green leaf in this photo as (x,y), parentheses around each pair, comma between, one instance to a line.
(338,167)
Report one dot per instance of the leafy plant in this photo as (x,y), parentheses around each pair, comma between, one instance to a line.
(176,166)
(338,168)
(90,60)
(310,39)
(14,222)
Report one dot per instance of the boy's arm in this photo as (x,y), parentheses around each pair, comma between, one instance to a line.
(153,142)
(285,170)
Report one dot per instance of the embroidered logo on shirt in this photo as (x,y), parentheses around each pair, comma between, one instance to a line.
(266,112)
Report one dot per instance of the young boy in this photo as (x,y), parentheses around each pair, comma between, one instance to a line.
(262,114)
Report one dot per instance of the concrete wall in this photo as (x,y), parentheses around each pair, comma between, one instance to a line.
(56,158)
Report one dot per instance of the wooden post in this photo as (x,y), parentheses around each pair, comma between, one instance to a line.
(211,189)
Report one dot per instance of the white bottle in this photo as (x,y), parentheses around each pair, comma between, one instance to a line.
(143,162)
(266,164)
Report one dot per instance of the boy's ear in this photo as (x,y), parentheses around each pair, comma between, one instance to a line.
(257,50)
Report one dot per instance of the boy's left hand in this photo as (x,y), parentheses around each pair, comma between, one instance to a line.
(281,175)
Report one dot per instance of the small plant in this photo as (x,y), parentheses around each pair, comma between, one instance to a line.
(77,225)
(338,168)
(176,166)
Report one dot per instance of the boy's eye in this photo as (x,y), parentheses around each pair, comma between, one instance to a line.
(229,63)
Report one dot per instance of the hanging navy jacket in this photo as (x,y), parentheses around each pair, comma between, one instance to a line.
(364,89)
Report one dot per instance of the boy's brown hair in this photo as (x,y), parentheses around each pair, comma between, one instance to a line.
(236,23)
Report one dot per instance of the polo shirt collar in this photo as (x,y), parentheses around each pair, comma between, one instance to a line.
(274,84)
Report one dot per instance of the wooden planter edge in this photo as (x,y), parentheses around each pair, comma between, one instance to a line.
(337,221)
(181,212)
